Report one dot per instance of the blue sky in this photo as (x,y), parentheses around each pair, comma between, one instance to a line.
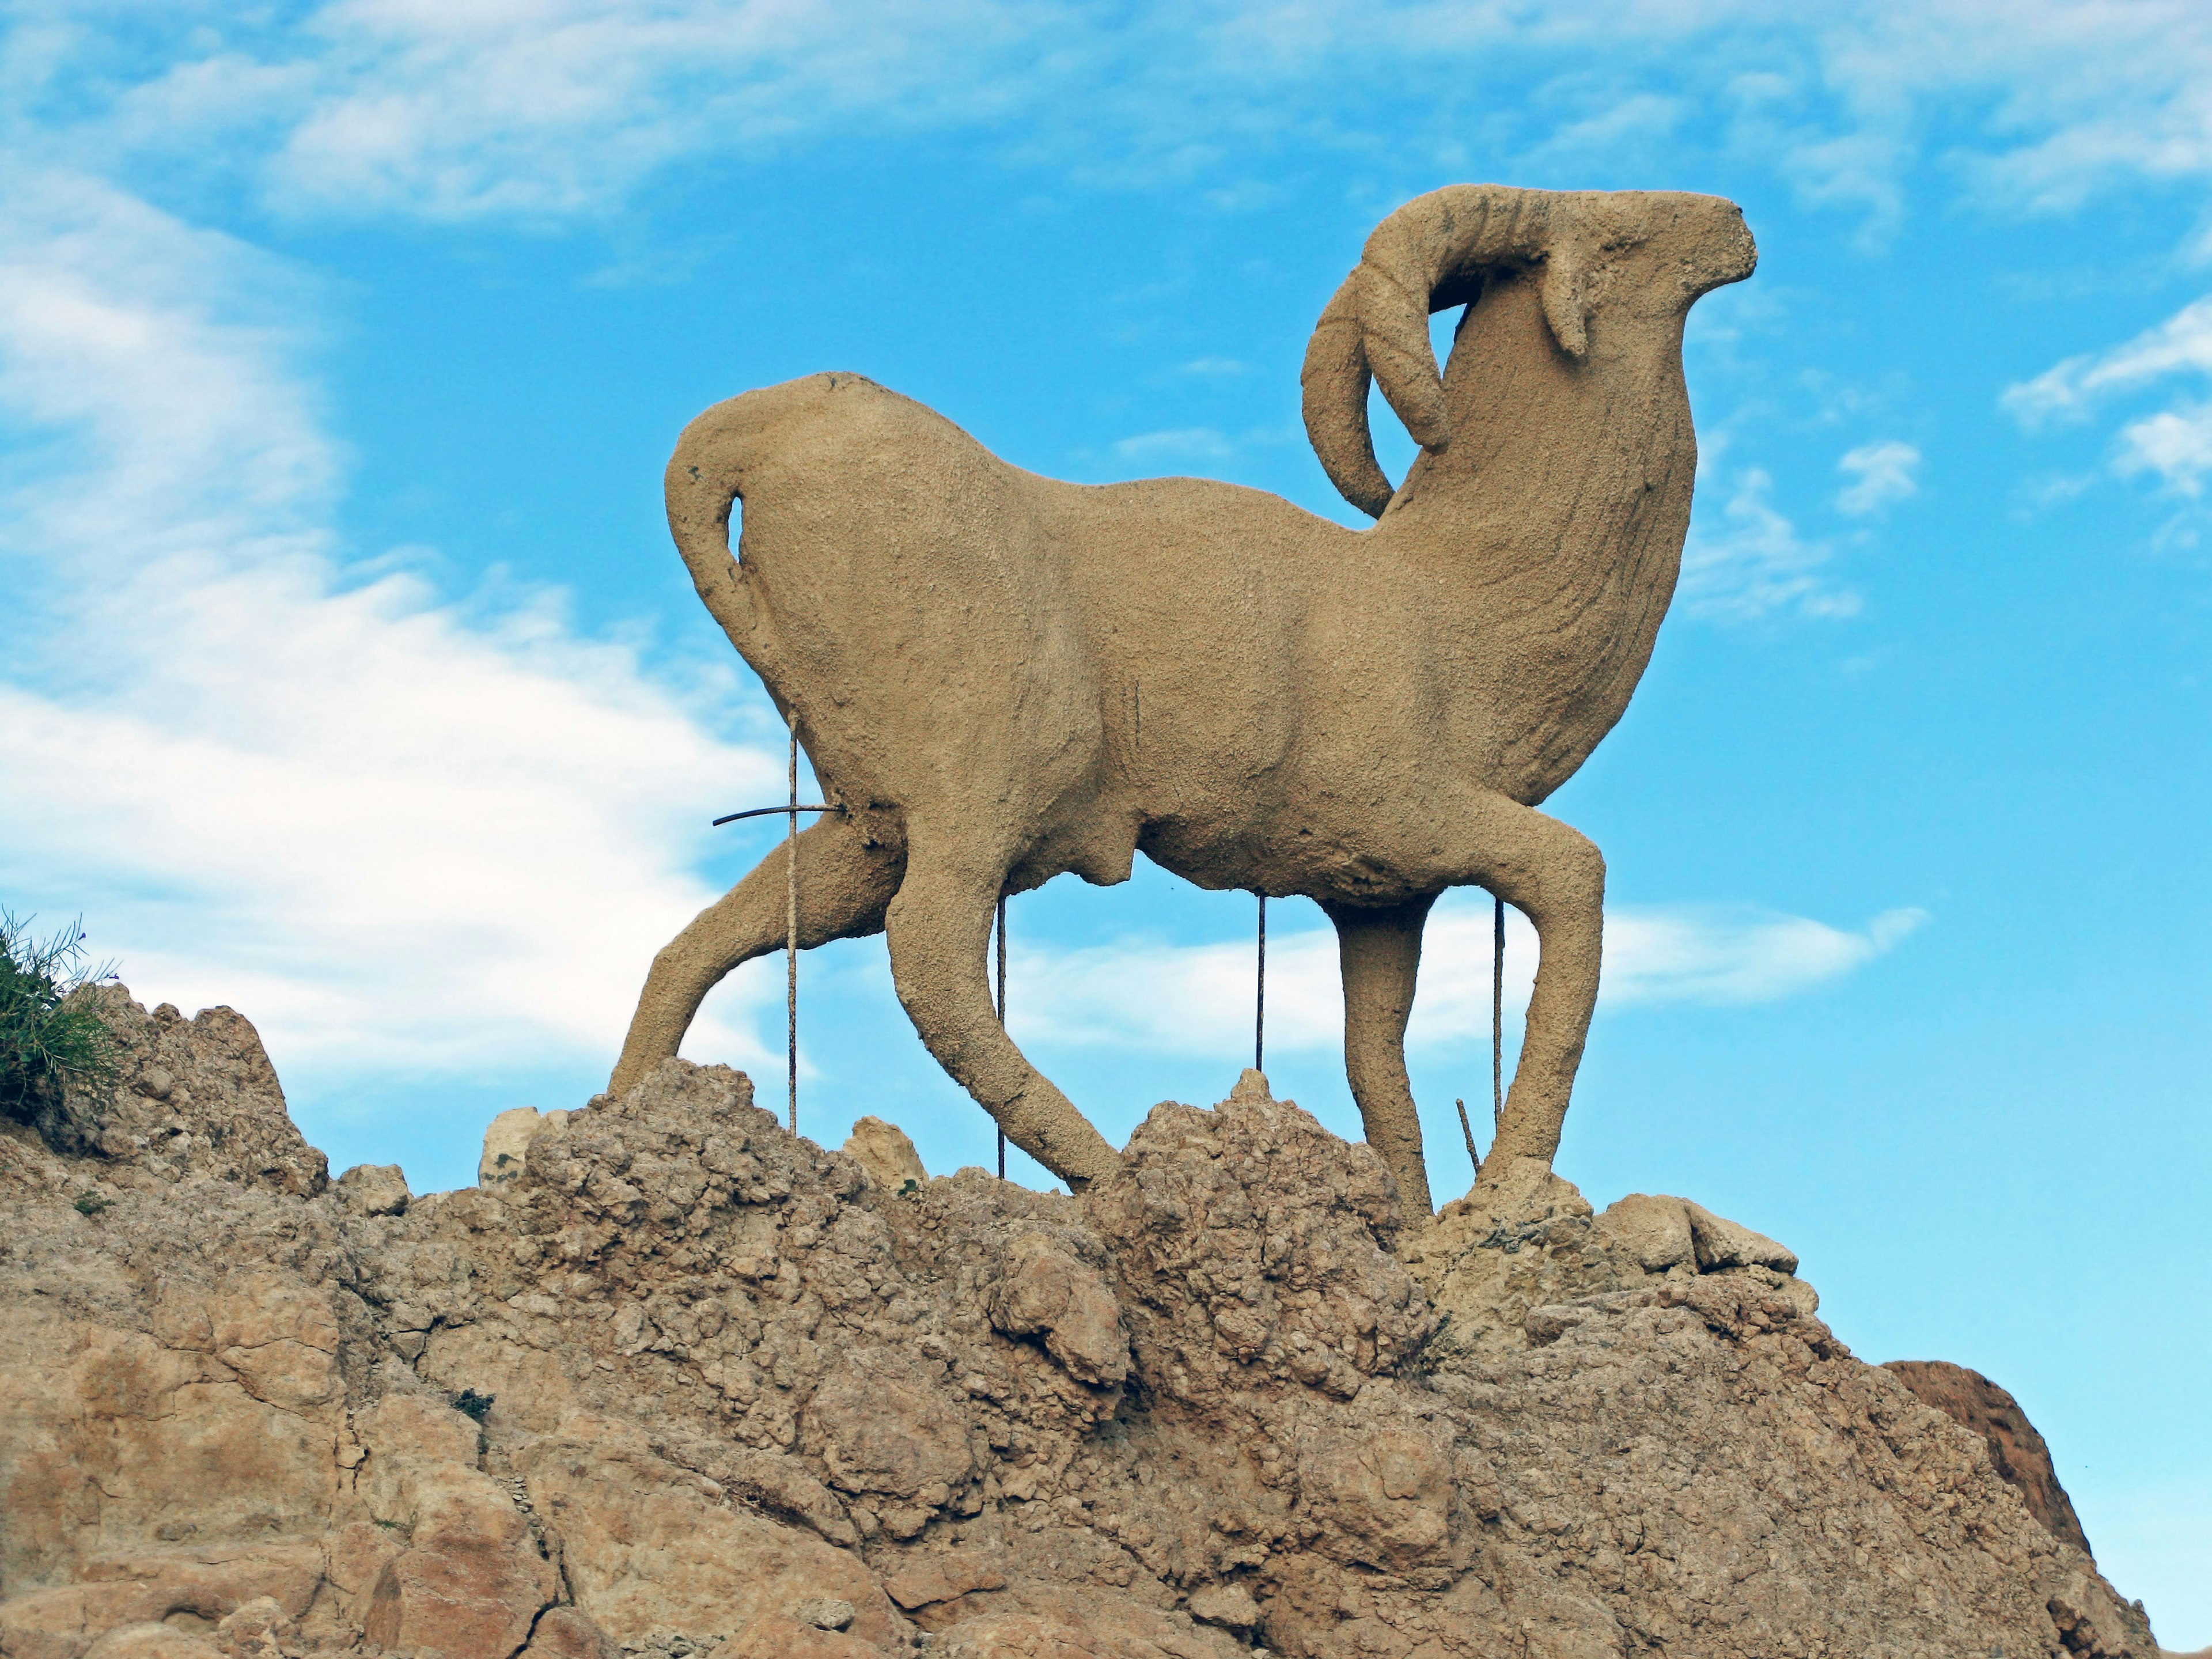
(351,678)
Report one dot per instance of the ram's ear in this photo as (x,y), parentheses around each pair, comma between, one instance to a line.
(1566,305)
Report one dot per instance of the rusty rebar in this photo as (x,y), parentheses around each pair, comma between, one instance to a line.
(1260,1000)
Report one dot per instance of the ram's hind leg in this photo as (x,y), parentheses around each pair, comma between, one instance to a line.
(1381,954)
(844,884)
(938,927)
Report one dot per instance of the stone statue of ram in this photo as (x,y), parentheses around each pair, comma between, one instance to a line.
(1001,677)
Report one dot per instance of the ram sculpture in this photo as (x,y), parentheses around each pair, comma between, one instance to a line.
(1000,677)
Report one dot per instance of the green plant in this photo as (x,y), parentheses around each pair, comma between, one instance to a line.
(88,1205)
(50,1040)
(472,1404)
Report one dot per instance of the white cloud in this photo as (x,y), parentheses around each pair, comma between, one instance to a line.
(1198,998)
(1195,443)
(1754,564)
(2180,344)
(1883,473)
(402,831)
(488,106)
(2175,444)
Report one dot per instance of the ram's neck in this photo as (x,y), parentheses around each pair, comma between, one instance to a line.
(1555,518)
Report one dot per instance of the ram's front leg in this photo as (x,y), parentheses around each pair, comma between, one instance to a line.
(938,928)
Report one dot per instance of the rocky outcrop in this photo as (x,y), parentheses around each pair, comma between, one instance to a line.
(676,1382)
(191,1096)
(2016,1450)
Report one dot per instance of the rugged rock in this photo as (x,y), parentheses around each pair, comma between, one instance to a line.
(2016,1450)
(374,1189)
(507,1142)
(194,1096)
(682,1384)
(885,1156)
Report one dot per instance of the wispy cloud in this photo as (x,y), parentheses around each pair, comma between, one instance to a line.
(1198,998)
(2073,388)
(1752,564)
(2174,444)
(323,791)
(1193,443)
(374,107)
(1880,474)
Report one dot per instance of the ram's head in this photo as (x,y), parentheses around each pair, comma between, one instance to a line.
(1645,254)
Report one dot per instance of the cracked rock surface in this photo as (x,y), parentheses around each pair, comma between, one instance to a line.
(675,1382)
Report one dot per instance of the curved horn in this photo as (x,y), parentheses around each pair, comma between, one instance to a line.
(1430,254)
(1335,378)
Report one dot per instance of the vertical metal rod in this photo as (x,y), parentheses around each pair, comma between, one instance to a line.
(1259,1002)
(1498,1019)
(1002,1016)
(791,926)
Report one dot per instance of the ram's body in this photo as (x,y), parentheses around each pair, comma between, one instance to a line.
(1003,677)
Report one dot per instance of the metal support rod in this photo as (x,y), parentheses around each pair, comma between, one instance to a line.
(1002,1016)
(791,926)
(1259,1002)
(1498,1019)
(1467,1130)
(764,812)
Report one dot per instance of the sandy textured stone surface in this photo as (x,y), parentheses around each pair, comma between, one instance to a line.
(1000,678)
(685,1385)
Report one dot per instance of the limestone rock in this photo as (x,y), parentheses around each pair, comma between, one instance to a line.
(2016,1450)
(258,1629)
(152,1641)
(1654,1231)
(686,1384)
(507,1143)
(191,1096)
(1049,1294)
(1722,1244)
(468,1600)
(883,1151)
(779,1636)
(374,1189)
(565,1634)
(1229,1605)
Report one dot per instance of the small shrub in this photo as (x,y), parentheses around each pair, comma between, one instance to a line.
(50,1041)
(87,1204)
(472,1404)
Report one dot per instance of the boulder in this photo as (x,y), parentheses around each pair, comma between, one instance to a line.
(1722,1244)
(884,1152)
(507,1143)
(373,1189)
(1047,1293)
(1653,1232)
